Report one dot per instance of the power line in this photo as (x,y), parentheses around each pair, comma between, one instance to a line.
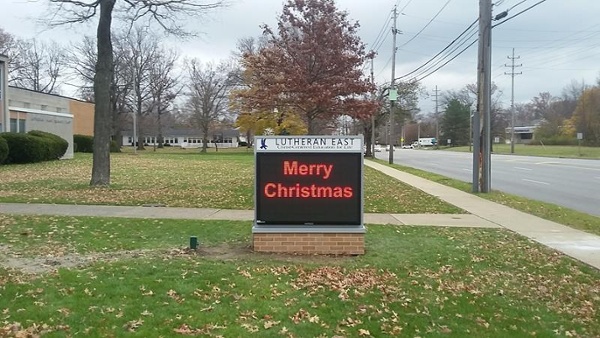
(403,8)
(427,25)
(447,62)
(442,51)
(521,12)
(499,16)
(516,5)
(381,33)
(384,67)
(448,54)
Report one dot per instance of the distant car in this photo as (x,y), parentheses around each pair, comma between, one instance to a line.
(407,146)
(378,148)
(388,148)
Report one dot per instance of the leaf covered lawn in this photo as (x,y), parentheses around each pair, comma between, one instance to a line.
(412,282)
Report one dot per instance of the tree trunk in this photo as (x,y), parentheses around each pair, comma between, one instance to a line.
(367,139)
(204,144)
(204,129)
(102,111)
(160,139)
(311,126)
(141,138)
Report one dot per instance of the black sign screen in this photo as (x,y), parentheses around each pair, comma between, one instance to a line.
(308,188)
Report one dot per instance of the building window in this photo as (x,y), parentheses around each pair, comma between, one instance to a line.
(26,105)
(13,126)
(44,107)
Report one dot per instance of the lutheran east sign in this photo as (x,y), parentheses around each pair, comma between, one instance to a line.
(308,185)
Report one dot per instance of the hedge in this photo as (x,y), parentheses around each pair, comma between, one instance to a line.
(23,148)
(35,146)
(85,144)
(56,146)
(555,141)
(3,150)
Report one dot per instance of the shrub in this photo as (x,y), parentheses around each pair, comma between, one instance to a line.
(114,147)
(55,146)
(24,148)
(83,143)
(3,150)
(555,141)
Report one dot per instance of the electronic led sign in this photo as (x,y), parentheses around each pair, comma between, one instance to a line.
(309,181)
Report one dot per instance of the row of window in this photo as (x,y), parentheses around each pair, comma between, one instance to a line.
(175,140)
(42,107)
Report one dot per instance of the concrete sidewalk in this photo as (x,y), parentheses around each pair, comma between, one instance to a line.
(482,213)
(456,220)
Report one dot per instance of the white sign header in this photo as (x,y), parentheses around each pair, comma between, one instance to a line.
(284,144)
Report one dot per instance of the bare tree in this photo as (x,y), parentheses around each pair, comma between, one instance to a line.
(9,46)
(144,50)
(164,87)
(7,40)
(38,66)
(82,62)
(209,87)
(167,13)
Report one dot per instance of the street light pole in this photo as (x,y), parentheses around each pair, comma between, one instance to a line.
(5,122)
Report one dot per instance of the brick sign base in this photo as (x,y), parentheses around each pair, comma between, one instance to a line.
(310,243)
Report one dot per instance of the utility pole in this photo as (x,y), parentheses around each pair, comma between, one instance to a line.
(373,115)
(482,159)
(393,93)
(437,118)
(512,98)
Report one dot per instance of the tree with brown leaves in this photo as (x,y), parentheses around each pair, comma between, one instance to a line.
(312,66)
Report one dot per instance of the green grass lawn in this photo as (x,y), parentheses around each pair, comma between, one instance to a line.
(139,280)
(182,178)
(539,150)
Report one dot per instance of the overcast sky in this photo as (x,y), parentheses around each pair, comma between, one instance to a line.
(558,41)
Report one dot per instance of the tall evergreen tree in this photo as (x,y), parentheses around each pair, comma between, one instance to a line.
(455,122)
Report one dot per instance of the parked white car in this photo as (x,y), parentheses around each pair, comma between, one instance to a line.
(407,146)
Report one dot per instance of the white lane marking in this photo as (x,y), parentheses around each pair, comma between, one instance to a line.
(521,168)
(472,170)
(566,165)
(538,182)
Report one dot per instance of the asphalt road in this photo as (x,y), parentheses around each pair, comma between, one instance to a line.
(572,183)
